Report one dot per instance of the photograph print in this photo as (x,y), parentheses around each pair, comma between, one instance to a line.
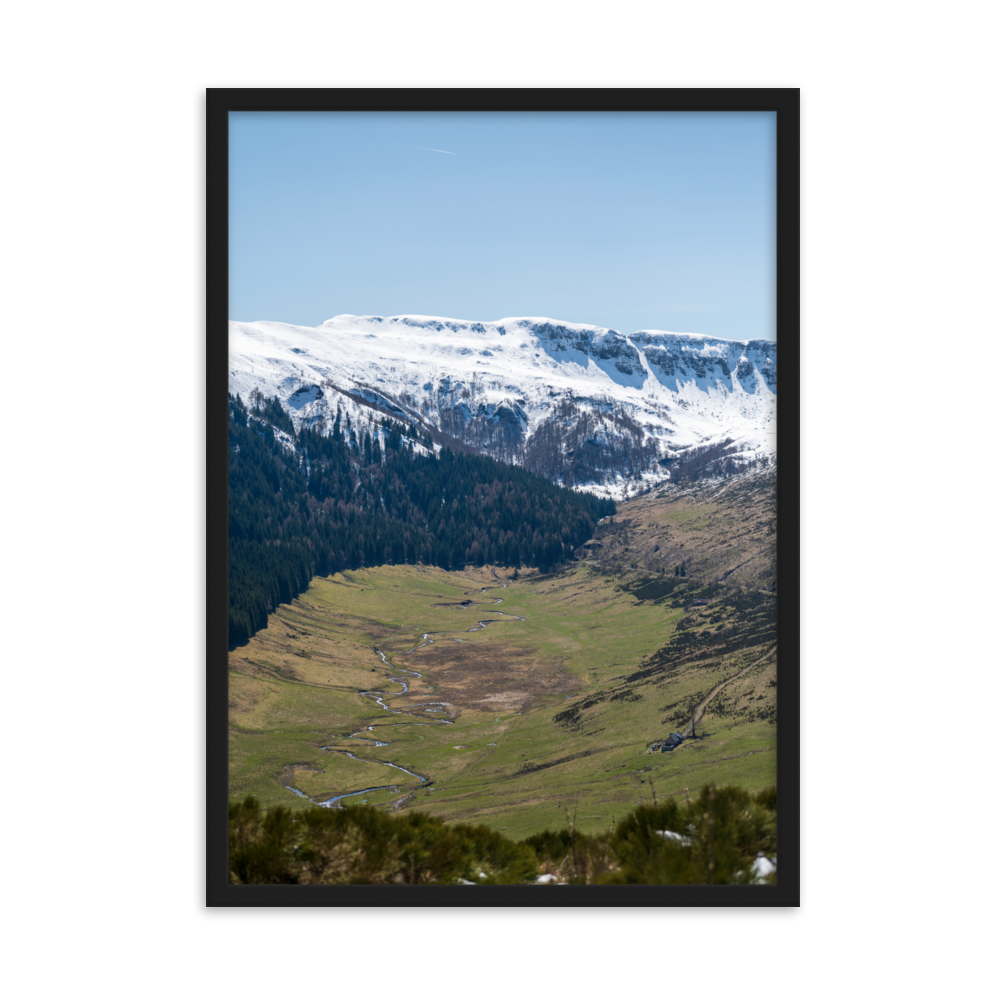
(501,487)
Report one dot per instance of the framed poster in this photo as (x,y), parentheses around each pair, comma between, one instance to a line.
(494,534)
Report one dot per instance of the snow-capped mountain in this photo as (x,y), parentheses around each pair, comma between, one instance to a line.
(583,405)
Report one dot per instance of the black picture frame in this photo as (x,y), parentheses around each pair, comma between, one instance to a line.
(219,103)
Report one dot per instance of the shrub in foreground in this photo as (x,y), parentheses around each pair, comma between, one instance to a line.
(363,845)
(714,838)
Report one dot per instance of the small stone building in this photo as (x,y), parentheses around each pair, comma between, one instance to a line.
(672,741)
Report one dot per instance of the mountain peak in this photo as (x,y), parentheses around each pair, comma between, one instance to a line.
(583,404)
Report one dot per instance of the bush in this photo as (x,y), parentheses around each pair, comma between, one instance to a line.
(363,845)
(721,832)
(551,846)
(260,844)
(503,860)
(578,858)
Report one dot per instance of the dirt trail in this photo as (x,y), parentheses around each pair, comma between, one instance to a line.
(729,572)
(700,707)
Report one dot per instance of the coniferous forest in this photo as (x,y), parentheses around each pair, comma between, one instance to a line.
(305,504)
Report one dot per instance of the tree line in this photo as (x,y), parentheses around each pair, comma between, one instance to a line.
(305,504)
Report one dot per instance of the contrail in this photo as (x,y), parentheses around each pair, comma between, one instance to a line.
(437,150)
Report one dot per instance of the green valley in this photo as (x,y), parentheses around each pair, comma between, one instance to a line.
(520,724)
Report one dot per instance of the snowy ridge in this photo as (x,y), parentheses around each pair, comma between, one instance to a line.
(581,404)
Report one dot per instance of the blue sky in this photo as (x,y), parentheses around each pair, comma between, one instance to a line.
(629,220)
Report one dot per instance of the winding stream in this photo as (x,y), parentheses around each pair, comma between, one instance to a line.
(379,698)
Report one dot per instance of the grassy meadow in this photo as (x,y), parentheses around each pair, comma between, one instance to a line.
(523,723)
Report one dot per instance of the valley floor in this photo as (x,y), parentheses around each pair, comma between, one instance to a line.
(547,711)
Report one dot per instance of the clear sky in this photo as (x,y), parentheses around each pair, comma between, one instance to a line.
(652,220)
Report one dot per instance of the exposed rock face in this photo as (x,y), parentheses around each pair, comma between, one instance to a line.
(304,396)
(670,365)
(678,359)
(609,349)
(624,355)
(764,354)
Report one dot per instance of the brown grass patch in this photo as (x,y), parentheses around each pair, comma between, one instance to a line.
(721,531)
(244,694)
(282,652)
(488,676)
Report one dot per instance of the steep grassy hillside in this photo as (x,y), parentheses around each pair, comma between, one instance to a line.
(717,531)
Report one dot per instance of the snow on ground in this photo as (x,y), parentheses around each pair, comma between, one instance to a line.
(683,390)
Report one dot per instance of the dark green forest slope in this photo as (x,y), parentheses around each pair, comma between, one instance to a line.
(302,504)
